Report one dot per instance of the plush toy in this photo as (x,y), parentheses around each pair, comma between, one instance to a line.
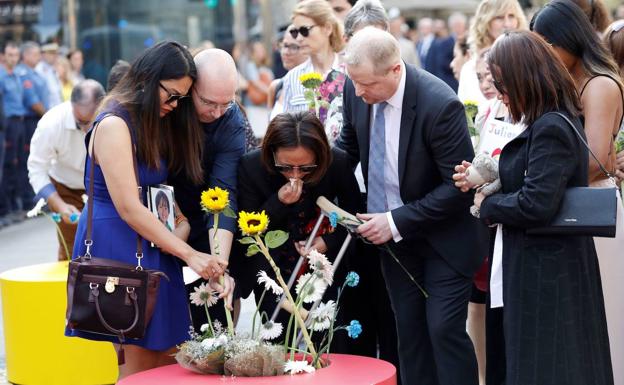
(484,173)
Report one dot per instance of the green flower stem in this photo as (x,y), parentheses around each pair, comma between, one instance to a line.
(278,275)
(228,314)
(209,320)
(253,320)
(58,230)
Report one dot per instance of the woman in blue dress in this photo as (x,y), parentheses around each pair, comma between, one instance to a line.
(149,110)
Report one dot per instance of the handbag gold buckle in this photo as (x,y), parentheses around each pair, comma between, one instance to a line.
(111,282)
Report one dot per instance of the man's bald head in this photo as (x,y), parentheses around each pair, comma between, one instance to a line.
(216,67)
(217,81)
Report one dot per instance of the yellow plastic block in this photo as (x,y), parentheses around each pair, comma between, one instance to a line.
(37,352)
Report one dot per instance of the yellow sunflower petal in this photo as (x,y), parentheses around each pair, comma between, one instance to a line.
(253,223)
(215,199)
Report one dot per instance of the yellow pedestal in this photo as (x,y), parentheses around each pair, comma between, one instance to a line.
(37,352)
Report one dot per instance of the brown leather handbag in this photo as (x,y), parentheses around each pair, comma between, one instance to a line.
(106,296)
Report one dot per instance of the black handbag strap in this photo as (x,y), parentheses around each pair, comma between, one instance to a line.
(602,168)
(89,239)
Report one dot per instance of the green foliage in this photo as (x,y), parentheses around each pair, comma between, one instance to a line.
(276,238)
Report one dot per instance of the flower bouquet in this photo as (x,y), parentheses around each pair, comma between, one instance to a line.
(56,218)
(215,350)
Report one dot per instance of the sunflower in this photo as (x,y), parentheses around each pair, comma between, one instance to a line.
(311,80)
(253,223)
(215,200)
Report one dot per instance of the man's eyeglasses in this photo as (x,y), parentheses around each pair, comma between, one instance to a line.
(215,106)
(303,30)
(171,98)
(290,47)
(302,169)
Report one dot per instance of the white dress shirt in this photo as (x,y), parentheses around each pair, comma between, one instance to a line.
(57,150)
(392,115)
(52,81)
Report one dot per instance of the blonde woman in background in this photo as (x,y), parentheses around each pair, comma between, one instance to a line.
(63,71)
(493,17)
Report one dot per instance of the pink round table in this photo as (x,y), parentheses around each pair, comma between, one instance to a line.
(344,370)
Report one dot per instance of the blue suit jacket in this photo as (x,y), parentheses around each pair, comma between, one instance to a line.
(439,60)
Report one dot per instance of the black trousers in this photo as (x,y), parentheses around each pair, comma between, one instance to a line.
(11,187)
(434,347)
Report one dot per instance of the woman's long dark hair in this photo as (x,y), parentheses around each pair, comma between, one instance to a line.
(563,24)
(177,136)
(529,72)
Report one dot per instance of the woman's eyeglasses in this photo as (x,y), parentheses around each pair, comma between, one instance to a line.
(302,169)
(303,30)
(171,98)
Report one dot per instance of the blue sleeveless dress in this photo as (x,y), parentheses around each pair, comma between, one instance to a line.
(114,239)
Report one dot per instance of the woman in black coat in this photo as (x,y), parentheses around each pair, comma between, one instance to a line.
(294,166)
(554,322)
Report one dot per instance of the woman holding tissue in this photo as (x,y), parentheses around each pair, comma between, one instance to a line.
(294,166)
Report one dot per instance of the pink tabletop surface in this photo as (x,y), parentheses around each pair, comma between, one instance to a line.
(344,370)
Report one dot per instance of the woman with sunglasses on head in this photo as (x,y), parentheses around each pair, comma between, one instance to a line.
(147,112)
(319,35)
(554,322)
(294,166)
(563,25)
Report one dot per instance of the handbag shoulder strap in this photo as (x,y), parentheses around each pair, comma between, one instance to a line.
(602,168)
(89,238)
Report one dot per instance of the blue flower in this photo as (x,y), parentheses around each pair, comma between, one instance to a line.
(354,329)
(352,279)
(333,219)
(74,217)
(56,217)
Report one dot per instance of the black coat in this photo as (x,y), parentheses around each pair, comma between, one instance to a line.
(554,320)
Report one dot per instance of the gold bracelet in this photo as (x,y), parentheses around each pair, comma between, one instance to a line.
(179,219)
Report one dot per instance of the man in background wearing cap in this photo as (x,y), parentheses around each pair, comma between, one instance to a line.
(46,69)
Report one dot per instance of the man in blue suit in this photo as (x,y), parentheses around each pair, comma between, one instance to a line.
(408,129)
(223,128)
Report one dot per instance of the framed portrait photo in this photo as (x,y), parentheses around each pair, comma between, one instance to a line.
(161,202)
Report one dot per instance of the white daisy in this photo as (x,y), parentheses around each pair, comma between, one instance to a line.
(37,209)
(204,327)
(322,316)
(271,330)
(269,283)
(321,266)
(294,367)
(310,288)
(203,295)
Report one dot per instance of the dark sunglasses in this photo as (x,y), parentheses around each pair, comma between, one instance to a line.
(172,97)
(303,30)
(288,168)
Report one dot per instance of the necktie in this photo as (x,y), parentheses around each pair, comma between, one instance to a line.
(376,191)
